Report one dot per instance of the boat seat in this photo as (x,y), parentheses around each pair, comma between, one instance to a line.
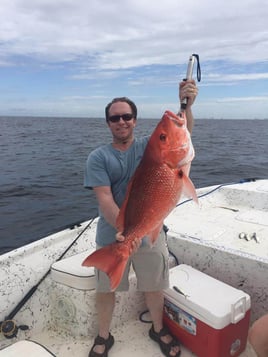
(70,272)
(26,348)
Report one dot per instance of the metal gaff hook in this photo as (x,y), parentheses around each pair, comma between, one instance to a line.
(189,75)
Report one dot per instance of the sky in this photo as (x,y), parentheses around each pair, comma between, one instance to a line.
(71,57)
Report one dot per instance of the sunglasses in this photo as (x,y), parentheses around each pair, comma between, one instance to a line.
(116,118)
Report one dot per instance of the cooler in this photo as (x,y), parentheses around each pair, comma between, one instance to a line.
(209,317)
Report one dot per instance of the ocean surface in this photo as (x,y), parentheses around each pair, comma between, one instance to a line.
(42,163)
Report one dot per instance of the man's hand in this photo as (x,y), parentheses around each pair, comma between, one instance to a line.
(189,90)
(135,244)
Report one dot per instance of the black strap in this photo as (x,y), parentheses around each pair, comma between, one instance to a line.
(198,67)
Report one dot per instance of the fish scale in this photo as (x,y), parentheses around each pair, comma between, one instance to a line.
(166,183)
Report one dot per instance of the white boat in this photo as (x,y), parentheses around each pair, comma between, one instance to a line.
(224,236)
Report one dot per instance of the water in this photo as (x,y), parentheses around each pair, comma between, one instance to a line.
(42,164)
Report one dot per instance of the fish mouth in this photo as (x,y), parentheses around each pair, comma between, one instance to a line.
(178,123)
(178,120)
(179,148)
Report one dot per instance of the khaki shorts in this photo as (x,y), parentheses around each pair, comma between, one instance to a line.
(150,265)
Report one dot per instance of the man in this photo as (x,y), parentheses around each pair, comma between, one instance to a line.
(108,171)
(258,336)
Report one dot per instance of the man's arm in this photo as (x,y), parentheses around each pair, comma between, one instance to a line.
(110,212)
(189,90)
(190,119)
(107,204)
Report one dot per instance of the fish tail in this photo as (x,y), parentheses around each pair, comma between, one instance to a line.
(112,260)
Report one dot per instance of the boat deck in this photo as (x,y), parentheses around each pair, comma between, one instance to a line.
(233,218)
(226,236)
(63,319)
(131,339)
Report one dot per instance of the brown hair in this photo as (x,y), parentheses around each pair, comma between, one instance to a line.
(125,100)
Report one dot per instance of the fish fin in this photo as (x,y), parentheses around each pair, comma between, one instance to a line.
(112,260)
(186,169)
(188,187)
(155,233)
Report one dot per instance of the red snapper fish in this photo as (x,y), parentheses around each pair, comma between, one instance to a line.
(152,193)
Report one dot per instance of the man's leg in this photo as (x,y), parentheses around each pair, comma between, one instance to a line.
(155,303)
(105,301)
(105,308)
(152,270)
(258,336)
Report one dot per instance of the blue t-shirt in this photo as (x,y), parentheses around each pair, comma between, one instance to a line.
(107,166)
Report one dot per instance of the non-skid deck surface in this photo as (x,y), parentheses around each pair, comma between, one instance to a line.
(131,340)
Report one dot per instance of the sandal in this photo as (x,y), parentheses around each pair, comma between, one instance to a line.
(165,347)
(101,341)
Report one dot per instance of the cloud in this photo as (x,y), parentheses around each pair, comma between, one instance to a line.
(237,77)
(69,56)
(127,33)
(243,99)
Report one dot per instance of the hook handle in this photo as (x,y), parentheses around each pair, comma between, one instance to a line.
(189,75)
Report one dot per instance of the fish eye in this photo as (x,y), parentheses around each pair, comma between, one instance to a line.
(162,137)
